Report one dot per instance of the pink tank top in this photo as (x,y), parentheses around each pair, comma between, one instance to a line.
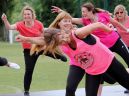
(107,39)
(124,35)
(94,59)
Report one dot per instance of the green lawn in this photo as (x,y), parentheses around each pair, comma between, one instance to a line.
(49,74)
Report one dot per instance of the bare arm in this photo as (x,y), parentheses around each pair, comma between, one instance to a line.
(7,24)
(77,21)
(117,24)
(33,40)
(56,9)
(86,30)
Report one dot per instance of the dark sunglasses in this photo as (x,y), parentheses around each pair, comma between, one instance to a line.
(119,12)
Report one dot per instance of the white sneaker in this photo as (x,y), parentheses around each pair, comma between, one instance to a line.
(13,65)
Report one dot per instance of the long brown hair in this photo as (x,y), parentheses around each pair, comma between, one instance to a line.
(51,46)
(51,42)
(90,7)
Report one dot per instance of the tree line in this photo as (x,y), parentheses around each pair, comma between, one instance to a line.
(12,8)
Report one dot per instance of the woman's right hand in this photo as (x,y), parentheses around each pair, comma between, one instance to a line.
(56,9)
(4,17)
(20,38)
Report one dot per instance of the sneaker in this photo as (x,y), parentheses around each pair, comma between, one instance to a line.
(26,94)
(126,91)
(13,65)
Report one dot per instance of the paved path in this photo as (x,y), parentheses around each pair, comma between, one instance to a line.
(116,90)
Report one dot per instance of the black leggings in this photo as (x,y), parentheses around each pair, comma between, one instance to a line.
(116,70)
(30,61)
(3,61)
(120,48)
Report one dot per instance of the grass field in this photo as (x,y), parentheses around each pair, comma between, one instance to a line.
(49,74)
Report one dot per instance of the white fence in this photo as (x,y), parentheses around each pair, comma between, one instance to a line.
(11,36)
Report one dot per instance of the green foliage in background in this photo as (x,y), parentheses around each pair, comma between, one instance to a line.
(43,12)
(49,74)
(42,7)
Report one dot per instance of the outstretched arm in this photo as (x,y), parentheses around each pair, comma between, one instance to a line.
(56,9)
(117,24)
(86,30)
(7,24)
(33,40)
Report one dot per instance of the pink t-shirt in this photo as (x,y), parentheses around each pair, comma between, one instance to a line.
(107,39)
(33,31)
(124,35)
(94,59)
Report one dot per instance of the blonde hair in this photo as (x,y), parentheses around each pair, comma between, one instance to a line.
(59,17)
(51,42)
(120,6)
(27,7)
(36,49)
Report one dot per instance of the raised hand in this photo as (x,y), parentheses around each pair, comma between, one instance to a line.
(4,17)
(56,9)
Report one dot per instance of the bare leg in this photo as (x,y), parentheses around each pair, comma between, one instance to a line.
(127,70)
(100,90)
